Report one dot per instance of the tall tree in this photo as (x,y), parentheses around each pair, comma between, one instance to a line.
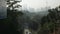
(49,22)
(13,14)
(10,24)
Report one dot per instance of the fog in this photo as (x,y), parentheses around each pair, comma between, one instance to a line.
(36,15)
(37,4)
(3,9)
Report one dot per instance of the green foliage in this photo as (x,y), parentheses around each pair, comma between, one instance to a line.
(49,26)
(49,21)
(10,24)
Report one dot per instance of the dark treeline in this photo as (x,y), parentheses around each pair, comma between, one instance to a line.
(9,25)
(44,22)
(47,22)
(51,22)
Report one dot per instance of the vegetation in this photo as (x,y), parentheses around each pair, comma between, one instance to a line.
(37,22)
(9,25)
(50,21)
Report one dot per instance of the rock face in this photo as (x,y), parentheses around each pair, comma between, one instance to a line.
(3,9)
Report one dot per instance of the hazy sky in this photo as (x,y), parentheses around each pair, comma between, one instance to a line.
(40,3)
(3,10)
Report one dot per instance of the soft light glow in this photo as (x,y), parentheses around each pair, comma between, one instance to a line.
(41,3)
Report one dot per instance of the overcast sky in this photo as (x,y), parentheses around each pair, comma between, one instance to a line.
(40,3)
(3,10)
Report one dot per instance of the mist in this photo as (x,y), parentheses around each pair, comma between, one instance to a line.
(3,9)
(36,16)
(40,3)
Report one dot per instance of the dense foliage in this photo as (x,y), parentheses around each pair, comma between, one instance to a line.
(9,25)
(50,21)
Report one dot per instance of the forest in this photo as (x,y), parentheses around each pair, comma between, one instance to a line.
(44,22)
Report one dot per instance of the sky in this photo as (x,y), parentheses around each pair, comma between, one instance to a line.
(3,10)
(40,3)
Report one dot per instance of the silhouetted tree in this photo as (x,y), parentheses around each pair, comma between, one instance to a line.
(9,25)
(49,21)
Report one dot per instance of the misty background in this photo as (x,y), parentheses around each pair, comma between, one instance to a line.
(3,9)
(38,16)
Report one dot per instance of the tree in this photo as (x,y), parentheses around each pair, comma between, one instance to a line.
(13,14)
(49,21)
(10,24)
